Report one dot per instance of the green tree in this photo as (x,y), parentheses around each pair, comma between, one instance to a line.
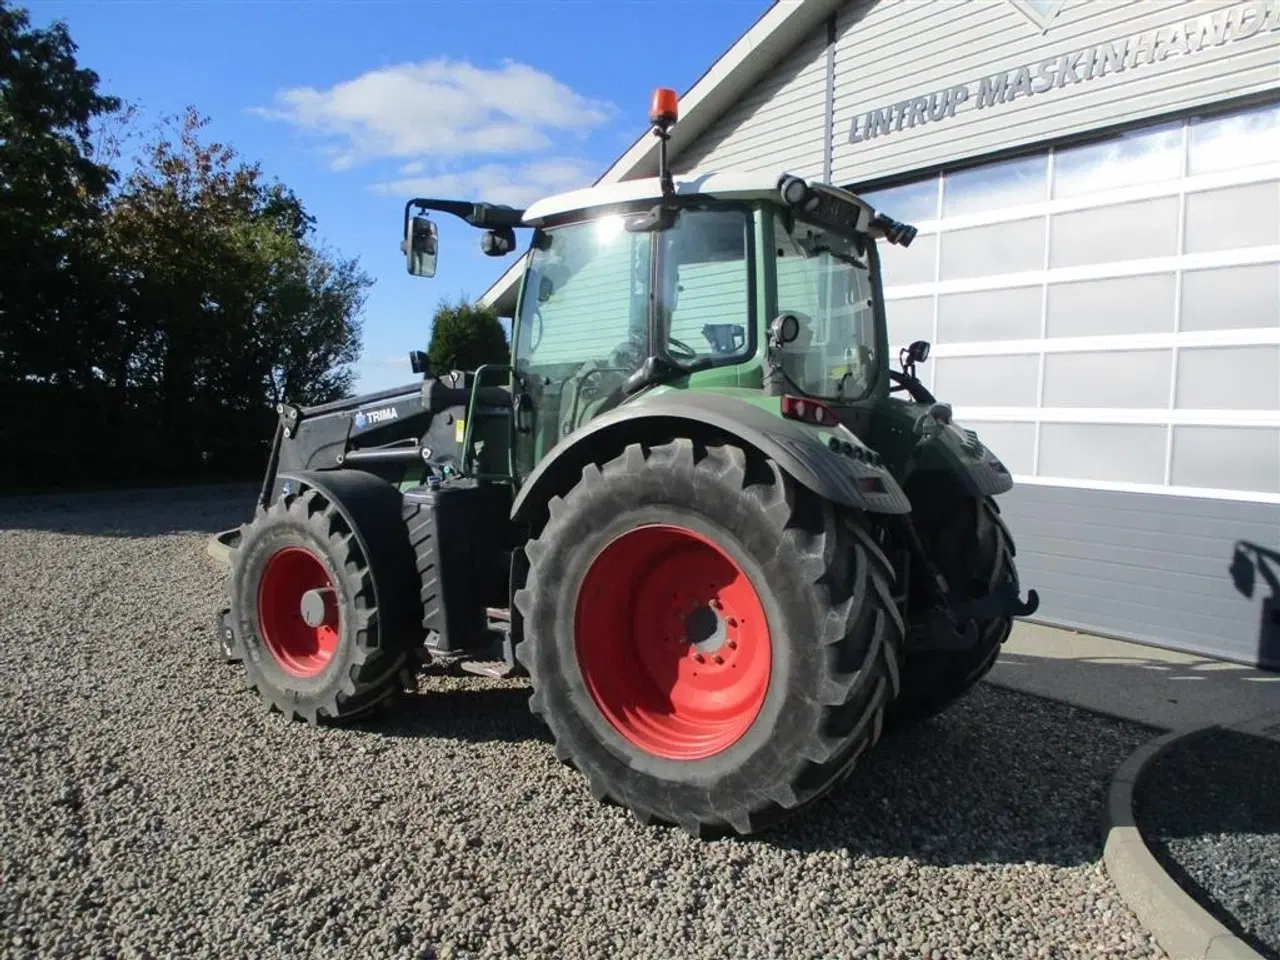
(465,335)
(163,312)
(52,189)
(229,295)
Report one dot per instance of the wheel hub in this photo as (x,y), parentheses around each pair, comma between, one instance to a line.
(298,612)
(313,604)
(672,642)
(704,629)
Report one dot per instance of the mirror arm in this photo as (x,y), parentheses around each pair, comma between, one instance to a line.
(493,216)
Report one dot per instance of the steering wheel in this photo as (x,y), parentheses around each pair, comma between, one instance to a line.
(628,354)
(680,350)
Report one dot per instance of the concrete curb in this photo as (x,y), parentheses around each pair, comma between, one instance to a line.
(219,546)
(1183,928)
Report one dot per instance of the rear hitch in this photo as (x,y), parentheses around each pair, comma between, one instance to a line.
(1001,601)
(953,625)
(1020,609)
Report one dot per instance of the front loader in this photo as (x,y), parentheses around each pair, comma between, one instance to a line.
(725,541)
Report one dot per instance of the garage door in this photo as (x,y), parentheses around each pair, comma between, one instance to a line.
(1107,316)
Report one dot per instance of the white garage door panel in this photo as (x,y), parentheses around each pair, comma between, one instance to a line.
(1108,379)
(910,320)
(1119,453)
(1118,301)
(1119,305)
(1140,230)
(1009,314)
(1013,247)
(987,381)
(1240,458)
(1229,378)
(1233,217)
(1231,298)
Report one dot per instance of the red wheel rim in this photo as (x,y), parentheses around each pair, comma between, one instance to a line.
(672,641)
(293,577)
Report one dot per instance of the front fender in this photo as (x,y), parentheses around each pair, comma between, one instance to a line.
(372,509)
(795,447)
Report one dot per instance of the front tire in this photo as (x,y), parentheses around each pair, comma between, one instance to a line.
(974,551)
(306,608)
(710,645)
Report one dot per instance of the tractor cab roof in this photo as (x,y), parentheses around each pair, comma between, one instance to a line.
(731,185)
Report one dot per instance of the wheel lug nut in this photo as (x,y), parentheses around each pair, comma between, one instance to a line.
(719,659)
(732,622)
(716,605)
(700,658)
(732,644)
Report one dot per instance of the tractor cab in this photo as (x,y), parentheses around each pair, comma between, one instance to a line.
(751,283)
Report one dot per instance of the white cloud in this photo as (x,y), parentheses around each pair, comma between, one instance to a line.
(439,109)
(514,184)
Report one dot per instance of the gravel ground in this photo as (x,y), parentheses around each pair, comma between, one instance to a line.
(154,809)
(1209,809)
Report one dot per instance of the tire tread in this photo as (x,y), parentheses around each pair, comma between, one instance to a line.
(375,671)
(859,630)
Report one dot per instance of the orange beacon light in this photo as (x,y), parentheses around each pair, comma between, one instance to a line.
(665,108)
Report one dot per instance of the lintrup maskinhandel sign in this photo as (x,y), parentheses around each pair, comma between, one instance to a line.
(1189,36)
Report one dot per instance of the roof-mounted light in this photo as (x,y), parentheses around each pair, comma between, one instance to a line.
(664,110)
(793,190)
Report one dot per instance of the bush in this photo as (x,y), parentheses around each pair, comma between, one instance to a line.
(464,336)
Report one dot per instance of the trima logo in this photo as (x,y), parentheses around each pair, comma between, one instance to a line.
(374,417)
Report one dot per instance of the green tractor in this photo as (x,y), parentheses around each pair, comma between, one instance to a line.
(691,510)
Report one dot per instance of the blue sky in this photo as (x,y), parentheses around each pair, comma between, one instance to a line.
(359,105)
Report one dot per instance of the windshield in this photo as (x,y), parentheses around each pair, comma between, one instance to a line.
(585,312)
(826,282)
(587,293)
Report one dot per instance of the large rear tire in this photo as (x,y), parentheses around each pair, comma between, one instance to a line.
(974,552)
(306,608)
(711,645)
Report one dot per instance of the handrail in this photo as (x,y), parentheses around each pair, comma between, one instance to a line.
(511,425)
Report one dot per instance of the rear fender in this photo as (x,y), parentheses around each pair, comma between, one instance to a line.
(980,469)
(795,447)
(958,451)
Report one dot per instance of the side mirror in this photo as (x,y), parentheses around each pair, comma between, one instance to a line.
(725,338)
(420,247)
(498,243)
(418,361)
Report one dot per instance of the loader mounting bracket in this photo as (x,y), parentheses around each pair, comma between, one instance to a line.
(226,645)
